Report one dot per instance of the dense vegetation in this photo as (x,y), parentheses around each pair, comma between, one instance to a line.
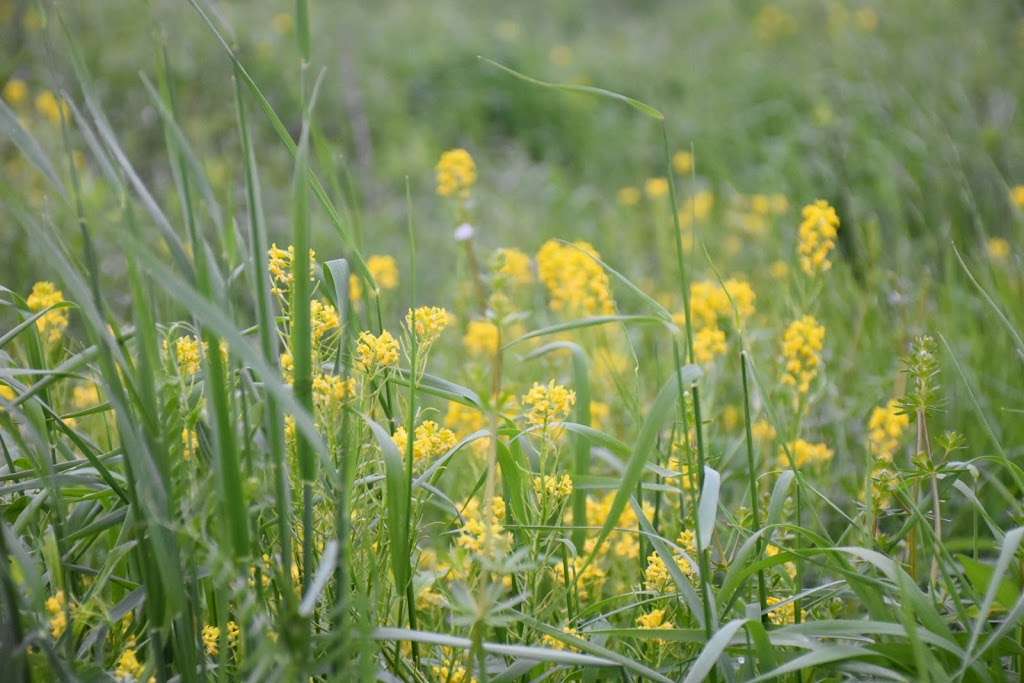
(343,343)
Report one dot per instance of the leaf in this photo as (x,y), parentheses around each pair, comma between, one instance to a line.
(396,501)
(712,651)
(707,510)
(580,323)
(328,561)
(512,467)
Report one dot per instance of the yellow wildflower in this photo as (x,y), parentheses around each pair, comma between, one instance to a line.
(773,550)
(51,106)
(708,344)
(589,581)
(784,614)
(324,319)
(805,454)
(656,188)
(885,427)
(431,440)
(818,232)
(682,162)
(481,338)
(287,367)
(998,248)
(58,616)
(233,632)
(687,540)
(553,486)
(696,208)
(801,349)
(779,270)
(762,430)
(513,265)
(187,354)
(456,173)
(51,325)
(128,665)
(279,264)
(456,673)
(548,403)
(576,283)
(374,352)
(484,536)
(1017,195)
(384,270)
(282,22)
(15,92)
(742,295)
(430,322)
(85,396)
(211,639)
(331,390)
(7,394)
(629,196)
(653,620)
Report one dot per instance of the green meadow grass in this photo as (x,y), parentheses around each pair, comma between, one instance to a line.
(208,474)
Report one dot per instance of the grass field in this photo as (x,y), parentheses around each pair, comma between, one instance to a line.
(455,342)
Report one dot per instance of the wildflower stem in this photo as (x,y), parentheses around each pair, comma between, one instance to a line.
(755,503)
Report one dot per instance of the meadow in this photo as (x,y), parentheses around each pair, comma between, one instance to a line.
(451,342)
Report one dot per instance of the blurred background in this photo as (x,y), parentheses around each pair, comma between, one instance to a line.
(903,115)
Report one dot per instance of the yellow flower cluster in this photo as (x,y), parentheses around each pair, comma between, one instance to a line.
(709,302)
(85,396)
(463,419)
(552,486)
(7,394)
(818,232)
(456,673)
(456,173)
(885,427)
(589,581)
(52,107)
(211,638)
(485,537)
(695,209)
(384,270)
(430,322)
(481,338)
(513,265)
(998,248)
(547,403)
(801,350)
(376,352)
(654,619)
(15,92)
(629,196)
(431,440)
(753,213)
(622,544)
(781,615)
(324,319)
(128,665)
(763,431)
(805,454)
(708,344)
(331,390)
(188,352)
(58,617)
(51,325)
(576,283)
(279,263)
(189,443)
(1017,195)
(682,162)
(790,568)
(656,188)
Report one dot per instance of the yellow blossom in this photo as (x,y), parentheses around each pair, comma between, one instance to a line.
(801,350)
(279,264)
(211,638)
(779,270)
(553,486)
(15,92)
(431,440)
(128,665)
(85,396)
(818,232)
(51,325)
(375,352)
(484,535)
(481,338)
(187,354)
(548,403)
(682,162)
(696,208)
(456,173)
(805,454)
(629,196)
(384,270)
(331,390)
(556,643)
(655,619)
(998,248)
(323,318)
(189,443)
(885,427)
(576,282)
(1017,195)
(781,615)
(656,188)
(513,265)
(762,430)
(428,322)
(708,344)
(51,107)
